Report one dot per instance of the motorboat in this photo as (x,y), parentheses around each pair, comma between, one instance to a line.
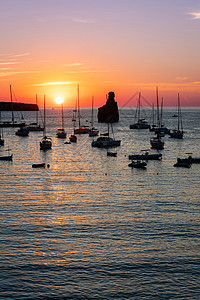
(23,131)
(146,156)
(156,142)
(6,157)
(189,159)
(73,138)
(137,164)
(61,133)
(41,165)
(105,142)
(93,132)
(114,154)
(46,143)
(182,164)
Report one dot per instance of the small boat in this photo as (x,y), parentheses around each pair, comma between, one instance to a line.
(23,131)
(140,123)
(42,165)
(189,159)
(46,142)
(73,138)
(178,133)
(105,142)
(146,156)
(80,129)
(182,164)
(137,164)
(114,154)
(35,126)
(6,157)
(93,131)
(156,142)
(61,131)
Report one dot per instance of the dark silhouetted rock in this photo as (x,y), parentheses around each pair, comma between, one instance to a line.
(109,113)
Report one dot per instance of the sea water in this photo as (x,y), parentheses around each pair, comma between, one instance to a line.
(89,226)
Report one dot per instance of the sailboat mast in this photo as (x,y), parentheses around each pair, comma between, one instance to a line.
(161,113)
(139,106)
(78,104)
(11,104)
(62,117)
(36,116)
(92,125)
(158,116)
(44,132)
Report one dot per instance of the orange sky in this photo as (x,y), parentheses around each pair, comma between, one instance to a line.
(48,47)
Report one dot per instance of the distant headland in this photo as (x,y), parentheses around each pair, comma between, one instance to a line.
(8,106)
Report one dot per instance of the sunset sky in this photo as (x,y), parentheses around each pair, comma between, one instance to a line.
(125,46)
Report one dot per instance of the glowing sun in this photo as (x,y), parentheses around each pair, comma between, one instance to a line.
(59,100)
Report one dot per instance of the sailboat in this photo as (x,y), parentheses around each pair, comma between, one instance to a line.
(161,128)
(61,131)
(156,142)
(105,141)
(141,123)
(178,133)
(1,134)
(80,129)
(93,131)
(46,142)
(35,126)
(12,123)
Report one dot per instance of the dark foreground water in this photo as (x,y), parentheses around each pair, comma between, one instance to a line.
(90,227)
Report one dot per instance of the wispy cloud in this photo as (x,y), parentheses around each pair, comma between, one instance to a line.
(90,71)
(10,62)
(82,21)
(76,64)
(195,15)
(182,78)
(5,74)
(54,83)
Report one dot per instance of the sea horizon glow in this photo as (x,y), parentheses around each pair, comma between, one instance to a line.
(122,46)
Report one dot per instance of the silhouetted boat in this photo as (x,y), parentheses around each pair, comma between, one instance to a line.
(23,131)
(178,133)
(80,129)
(182,164)
(114,154)
(61,131)
(189,159)
(106,141)
(41,165)
(146,156)
(141,123)
(93,131)
(35,126)
(137,164)
(46,142)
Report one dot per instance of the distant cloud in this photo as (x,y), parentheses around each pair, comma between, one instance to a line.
(10,62)
(82,21)
(90,71)
(54,83)
(182,78)
(20,55)
(195,15)
(76,64)
(5,74)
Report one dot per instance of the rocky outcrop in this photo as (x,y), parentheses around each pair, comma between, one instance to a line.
(8,106)
(109,113)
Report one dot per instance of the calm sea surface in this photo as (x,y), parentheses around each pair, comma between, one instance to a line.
(90,227)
